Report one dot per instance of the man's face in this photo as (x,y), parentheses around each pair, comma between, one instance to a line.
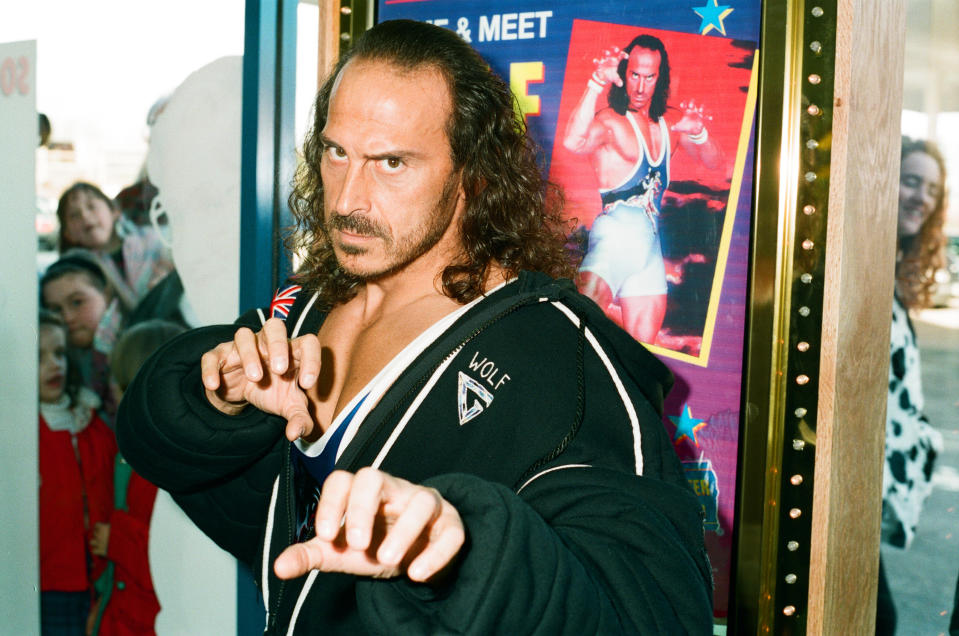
(390,193)
(642,72)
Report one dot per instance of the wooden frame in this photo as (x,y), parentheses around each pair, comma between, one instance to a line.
(817,360)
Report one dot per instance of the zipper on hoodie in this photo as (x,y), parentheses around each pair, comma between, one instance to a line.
(277,598)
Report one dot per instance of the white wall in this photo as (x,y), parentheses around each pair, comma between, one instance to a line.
(19,550)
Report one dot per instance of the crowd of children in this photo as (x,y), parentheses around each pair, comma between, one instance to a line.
(93,335)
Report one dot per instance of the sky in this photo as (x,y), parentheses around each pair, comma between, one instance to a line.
(101,64)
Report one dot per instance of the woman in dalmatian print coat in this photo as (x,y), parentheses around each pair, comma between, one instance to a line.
(911,443)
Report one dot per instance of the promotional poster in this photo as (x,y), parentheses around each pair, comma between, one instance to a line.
(645,113)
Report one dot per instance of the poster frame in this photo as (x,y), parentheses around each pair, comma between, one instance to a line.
(777,453)
(776,465)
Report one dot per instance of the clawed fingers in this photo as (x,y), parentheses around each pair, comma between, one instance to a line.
(266,369)
(298,559)
(299,423)
(691,107)
(306,353)
(245,342)
(421,511)
(363,505)
(610,56)
(332,505)
(371,523)
(444,544)
(274,336)
(213,362)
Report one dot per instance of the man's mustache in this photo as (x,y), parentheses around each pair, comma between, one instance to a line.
(356,224)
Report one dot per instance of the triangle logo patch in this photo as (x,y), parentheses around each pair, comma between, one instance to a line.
(472,398)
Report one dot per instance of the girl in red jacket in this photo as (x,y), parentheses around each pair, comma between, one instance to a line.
(76,452)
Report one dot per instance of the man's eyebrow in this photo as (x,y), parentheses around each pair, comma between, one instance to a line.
(399,153)
(326,141)
(396,154)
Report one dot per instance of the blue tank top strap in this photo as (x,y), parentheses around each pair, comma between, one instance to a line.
(309,473)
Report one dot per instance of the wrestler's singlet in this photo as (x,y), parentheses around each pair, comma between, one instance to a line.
(624,247)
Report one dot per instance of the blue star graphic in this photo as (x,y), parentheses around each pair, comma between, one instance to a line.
(686,426)
(712,14)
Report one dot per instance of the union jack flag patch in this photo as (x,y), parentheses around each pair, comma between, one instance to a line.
(283,300)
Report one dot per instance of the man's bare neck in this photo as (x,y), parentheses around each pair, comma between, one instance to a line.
(392,295)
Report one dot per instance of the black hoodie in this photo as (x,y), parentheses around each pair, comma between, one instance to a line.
(579,519)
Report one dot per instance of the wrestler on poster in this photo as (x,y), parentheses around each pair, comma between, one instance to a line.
(648,134)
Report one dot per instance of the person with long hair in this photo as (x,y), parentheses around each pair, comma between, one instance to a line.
(912,444)
(507,224)
(922,216)
(430,432)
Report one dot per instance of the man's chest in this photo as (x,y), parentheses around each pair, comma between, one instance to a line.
(355,355)
(645,141)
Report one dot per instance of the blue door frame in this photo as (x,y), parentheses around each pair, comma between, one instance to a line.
(267,165)
(268,158)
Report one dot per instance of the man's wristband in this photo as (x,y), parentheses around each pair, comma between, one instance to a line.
(596,84)
(700,137)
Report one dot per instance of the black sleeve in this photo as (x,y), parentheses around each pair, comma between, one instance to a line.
(578,551)
(219,468)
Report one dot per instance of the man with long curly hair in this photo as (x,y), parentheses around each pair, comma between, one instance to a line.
(470,446)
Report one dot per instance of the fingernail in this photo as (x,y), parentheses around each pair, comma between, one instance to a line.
(417,571)
(278,366)
(354,536)
(388,554)
(326,529)
(307,379)
(253,371)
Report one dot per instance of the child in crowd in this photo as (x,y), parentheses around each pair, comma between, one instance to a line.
(133,258)
(127,603)
(75,288)
(76,451)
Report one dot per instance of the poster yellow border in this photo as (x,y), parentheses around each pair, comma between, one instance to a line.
(745,133)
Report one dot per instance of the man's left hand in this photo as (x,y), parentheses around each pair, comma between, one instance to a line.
(374,524)
(693,120)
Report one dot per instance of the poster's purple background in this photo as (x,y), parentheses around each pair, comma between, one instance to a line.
(712,393)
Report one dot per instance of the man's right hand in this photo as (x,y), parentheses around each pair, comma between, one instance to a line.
(265,369)
(607,66)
